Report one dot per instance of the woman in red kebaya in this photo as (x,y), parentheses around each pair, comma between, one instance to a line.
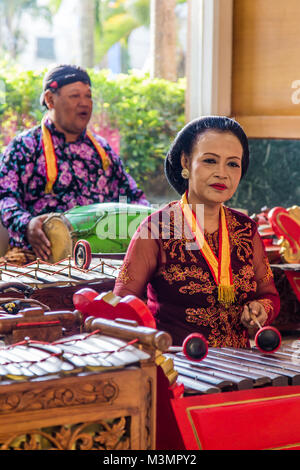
(203,263)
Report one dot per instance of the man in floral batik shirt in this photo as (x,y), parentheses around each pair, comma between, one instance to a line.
(83,175)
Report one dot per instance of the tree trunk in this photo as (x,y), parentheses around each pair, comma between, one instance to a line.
(11,41)
(163,39)
(1,36)
(86,26)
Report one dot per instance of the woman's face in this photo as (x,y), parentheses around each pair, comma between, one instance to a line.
(215,167)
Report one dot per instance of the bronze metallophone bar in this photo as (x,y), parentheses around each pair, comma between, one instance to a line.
(228,369)
(89,391)
(55,284)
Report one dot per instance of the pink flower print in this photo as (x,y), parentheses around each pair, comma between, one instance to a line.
(64,166)
(108,172)
(28,172)
(33,184)
(73,148)
(83,201)
(71,204)
(8,202)
(52,203)
(114,186)
(79,170)
(65,178)
(101,183)
(41,166)
(85,191)
(24,218)
(86,152)
(67,198)
(29,142)
(10,181)
(56,140)
(40,205)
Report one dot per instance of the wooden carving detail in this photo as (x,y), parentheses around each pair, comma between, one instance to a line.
(149,407)
(55,397)
(100,435)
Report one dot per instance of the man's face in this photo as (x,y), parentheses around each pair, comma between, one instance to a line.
(71,107)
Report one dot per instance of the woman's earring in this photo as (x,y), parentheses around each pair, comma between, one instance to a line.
(185,173)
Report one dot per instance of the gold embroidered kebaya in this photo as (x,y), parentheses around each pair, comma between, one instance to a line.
(124,273)
(269,274)
(177,273)
(267,304)
(181,290)
(223,324)
(219,267)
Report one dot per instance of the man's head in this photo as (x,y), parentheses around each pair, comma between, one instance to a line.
(67,96)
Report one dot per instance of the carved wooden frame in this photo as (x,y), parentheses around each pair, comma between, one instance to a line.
(104,411)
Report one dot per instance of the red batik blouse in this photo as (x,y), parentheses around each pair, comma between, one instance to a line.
(181,291)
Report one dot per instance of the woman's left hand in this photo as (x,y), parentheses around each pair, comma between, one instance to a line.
(255,309)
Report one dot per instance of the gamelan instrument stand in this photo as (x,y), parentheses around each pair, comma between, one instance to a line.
(95,389)
(55,284)
(98,377)
(280,232)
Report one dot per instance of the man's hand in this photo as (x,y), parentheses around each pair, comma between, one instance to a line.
(37,238)
(255,309)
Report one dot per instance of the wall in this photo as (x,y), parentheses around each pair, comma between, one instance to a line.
(273,176)
(265,99)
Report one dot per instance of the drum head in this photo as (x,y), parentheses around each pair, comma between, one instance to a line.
(56,228)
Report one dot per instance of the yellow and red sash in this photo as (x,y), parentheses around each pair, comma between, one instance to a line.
(220,267)
(50,156)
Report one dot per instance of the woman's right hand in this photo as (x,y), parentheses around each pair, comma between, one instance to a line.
(37,238)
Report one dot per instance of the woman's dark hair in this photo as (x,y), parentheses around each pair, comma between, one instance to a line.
(186,139)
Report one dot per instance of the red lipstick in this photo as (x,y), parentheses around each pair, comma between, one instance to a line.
(219,187)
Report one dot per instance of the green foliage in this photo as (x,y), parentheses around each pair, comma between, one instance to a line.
(19,101)
(22,90)
(114,21)
(54,5)
(116,28)
(140,9)
(147,113)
